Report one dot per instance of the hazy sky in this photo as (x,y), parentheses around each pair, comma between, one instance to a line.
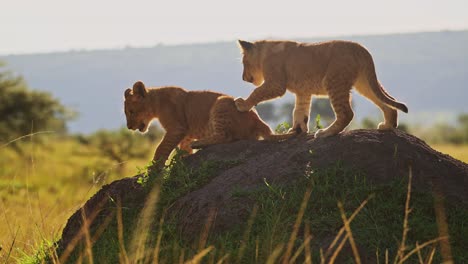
(57,25)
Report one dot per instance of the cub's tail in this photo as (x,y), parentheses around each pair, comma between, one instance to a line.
(380,92)
(279,137)
(378,89)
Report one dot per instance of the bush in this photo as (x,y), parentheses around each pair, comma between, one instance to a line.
(26,111)
(123,144)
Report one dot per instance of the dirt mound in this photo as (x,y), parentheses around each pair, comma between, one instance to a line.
(382,155)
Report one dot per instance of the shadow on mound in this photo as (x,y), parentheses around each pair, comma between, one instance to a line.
(382,156)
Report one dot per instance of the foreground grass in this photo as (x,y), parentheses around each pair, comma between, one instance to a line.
(292,223)
(42,187)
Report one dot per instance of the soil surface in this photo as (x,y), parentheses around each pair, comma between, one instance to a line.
(382,155)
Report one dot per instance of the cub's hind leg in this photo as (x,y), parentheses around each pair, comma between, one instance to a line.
(217,136)
(390,114)
(220,124)
(185,145)
(339,92)
(205,142)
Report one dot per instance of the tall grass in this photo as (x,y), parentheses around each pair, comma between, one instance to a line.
(42,186)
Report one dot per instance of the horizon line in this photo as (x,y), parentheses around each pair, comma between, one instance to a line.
(179,44)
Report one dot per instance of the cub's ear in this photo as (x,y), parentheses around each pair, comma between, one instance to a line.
(139,89)
(128,93)
(245,45)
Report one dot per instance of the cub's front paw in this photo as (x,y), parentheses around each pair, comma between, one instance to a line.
(299,128)
(242,105)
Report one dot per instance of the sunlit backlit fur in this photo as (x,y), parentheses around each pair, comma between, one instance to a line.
(315,69)
(210,117)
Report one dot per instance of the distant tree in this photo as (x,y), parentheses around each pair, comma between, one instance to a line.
(285,112)
(463,122)
(460,133)
(444,132)
(322,107)
(24,111)
(368,123)
(123,144)
(404,127)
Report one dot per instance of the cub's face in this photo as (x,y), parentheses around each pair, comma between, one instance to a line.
(253,72)
(136,111)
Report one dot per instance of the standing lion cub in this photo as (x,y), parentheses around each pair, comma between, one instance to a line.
(307,69)
(188,115)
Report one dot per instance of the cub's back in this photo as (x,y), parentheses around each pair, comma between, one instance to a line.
(306,64)
(319,54)
(242,125)
(197,106)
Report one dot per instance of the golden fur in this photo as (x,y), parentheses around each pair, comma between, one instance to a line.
(188,115)
(315,69)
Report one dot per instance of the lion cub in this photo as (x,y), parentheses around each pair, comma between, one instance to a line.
(188,115)
(307,69)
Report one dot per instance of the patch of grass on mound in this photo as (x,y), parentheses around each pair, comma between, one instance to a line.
(377,229)
(128,232)
(296,222)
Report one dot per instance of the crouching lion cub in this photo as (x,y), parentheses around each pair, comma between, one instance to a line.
(210,117)
(322,69)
